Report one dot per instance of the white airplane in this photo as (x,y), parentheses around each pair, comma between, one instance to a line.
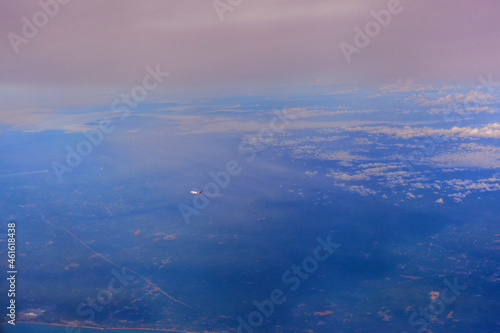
(196,192)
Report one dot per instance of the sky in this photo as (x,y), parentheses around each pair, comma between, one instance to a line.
(91,48)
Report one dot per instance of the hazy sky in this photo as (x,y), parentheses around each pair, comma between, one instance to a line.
(90,47)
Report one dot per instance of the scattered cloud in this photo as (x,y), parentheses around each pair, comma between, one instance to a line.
(485,109)
(491,130)
(347,177)
(364,191)
(470,155)
(407,85)
(459,98)
(344,92)
(410,195)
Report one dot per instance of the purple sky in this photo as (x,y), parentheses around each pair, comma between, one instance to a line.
(91,46)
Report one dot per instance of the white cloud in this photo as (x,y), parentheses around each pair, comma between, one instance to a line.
(347,177)
(407,85)
(410,195)
(469,155)
(304,113)
(491,130)
(480,109)
(344,156)
(484,187)
(469,99)
(361,190)
(343,92)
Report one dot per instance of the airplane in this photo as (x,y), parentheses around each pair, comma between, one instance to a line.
(196,192)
